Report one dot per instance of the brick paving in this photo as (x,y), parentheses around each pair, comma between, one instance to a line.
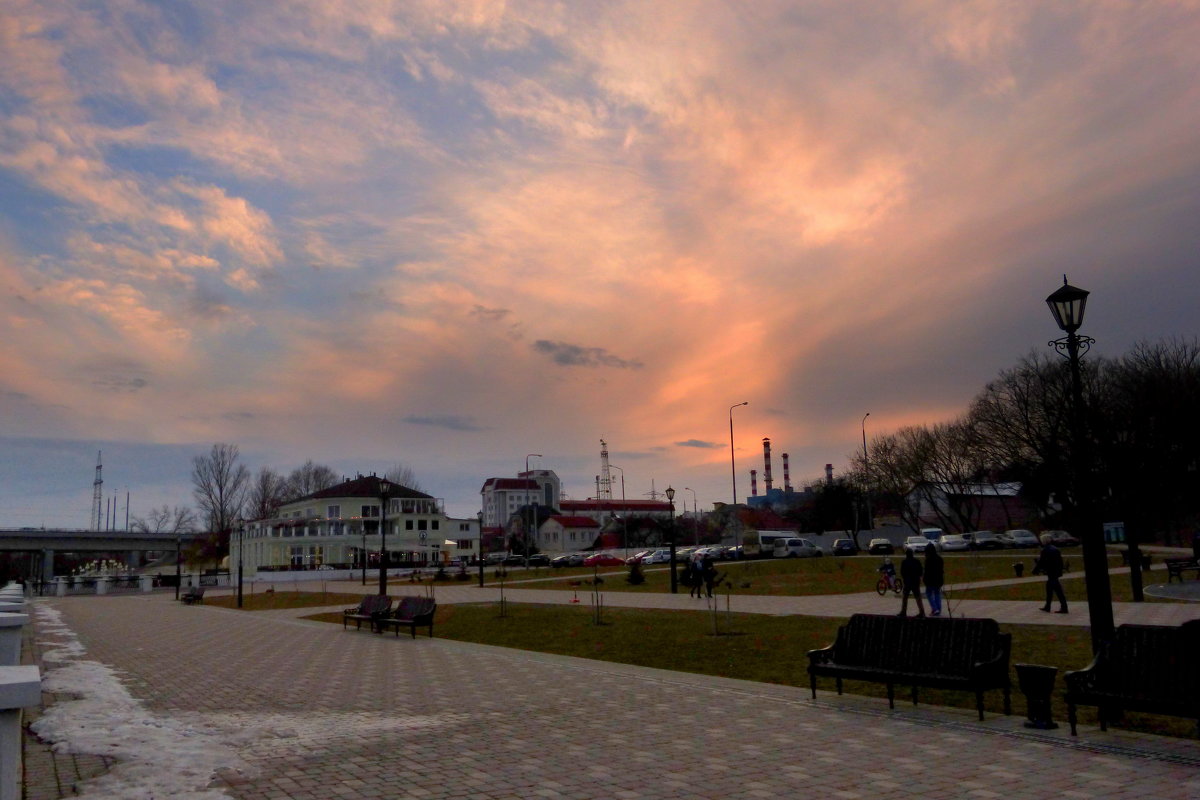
(308,711)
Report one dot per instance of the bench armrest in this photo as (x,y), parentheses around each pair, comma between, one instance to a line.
(822,655)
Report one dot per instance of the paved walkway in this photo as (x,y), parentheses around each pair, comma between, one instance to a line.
(285,709)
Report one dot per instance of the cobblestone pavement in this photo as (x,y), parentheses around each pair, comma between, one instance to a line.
(316,712)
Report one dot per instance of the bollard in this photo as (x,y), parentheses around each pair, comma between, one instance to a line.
(20,687)
(102,585)
(61,588)
(1037,684)
(1019,569)
(10,638)
(147,582)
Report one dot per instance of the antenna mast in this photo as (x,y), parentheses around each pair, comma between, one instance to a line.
(97,494)
(605,490)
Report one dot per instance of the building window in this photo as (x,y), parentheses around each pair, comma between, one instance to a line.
(333,512)
(422,524)
(370,511)
(408,524)
(436,524)
(464,544)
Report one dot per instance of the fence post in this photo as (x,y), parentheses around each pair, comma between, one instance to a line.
(20,687)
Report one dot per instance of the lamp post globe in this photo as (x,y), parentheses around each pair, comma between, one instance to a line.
(385,493)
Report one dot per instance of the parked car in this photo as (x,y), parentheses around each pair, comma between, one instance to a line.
(603,560)
(662,556)
(952,542)
(513,560)
(932,534)
(539,560)
(637,557)
(561,561)
(795,547)
(844,547)
(985,540)
(733,552)
(880,547)
(1062,539)
(916,544)
(1019,537)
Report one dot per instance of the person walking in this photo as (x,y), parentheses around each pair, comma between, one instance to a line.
(697,576)
(1050,564)
(935,578)
(910,574)
(708,569)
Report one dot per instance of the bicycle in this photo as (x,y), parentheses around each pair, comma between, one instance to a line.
(889,581)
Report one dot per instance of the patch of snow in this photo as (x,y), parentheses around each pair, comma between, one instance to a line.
(158,757)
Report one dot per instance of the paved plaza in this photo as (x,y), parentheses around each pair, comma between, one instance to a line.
(205,703)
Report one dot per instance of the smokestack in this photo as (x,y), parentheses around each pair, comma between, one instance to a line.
(767,463)
(829,474)
(754,483)
(787,475)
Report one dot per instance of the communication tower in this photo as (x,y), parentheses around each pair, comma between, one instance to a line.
(97,495)
(604,491)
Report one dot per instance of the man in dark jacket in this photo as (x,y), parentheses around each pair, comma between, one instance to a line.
(1050,564)
(910,574)
(935,577)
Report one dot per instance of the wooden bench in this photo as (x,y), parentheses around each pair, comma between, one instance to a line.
(370,608)
(946,653)
(1149,668)
(194,594)
(1177,566)
(412,611)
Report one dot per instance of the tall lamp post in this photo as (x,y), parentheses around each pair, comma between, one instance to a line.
(363,555)
(385,494)
(528,511)
(732,458)
(241,525)
(480,549)
(867,473)
(624,513)
(671,535)
(695,515)
(1067,305)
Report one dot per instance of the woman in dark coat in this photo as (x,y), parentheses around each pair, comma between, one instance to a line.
(935,578)
(910,574)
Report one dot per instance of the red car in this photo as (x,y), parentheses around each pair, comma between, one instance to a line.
(603,560)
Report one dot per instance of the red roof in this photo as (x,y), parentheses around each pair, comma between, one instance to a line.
(508,484)
(575,522)
(615,505)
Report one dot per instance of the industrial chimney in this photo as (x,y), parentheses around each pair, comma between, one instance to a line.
(754,483)
(787,475)
(767,464)
(829,474)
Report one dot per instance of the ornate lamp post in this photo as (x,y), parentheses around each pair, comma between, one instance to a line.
(528,512)
(363,554)
(671,535)
(1067,305)
(385,493)
(241,525)
(867,475)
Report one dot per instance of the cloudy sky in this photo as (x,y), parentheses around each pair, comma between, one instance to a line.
(450,234)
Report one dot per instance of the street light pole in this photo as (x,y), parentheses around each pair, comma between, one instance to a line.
(528,514)
(480,534)
(624,513)
(385,491)
(732,458)
(241,523)
(695,515)
(1067,305)
(674,578)
(363,554)
(867,474)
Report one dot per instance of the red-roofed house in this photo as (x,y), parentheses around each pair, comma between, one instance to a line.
(562,533)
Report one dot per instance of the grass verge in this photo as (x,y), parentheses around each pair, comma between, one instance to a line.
(751,647)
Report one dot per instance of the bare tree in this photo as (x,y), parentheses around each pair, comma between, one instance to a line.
(403,474)
(309,478)
(166,519)
(219,484)
(268,491)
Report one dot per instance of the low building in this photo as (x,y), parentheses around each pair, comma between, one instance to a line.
(565,534)
(339,527)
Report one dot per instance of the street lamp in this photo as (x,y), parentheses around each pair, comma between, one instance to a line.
(385,494)
(529,522)
(866,475)
(363,554)
(732,458)
(1067,304)
(480,548)
(671,534)
(695,515)
(624,513)
(241,525)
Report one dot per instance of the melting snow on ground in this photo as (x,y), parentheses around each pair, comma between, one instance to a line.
(158,757)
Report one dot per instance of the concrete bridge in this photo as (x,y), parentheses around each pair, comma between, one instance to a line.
(42,544)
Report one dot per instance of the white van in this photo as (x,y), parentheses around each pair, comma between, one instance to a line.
(796,547)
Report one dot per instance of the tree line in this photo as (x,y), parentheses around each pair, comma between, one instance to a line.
(1142,440)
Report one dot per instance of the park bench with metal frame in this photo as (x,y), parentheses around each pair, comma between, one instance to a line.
(1149,668)
(945,653)
(1177,566)
(194,594)
(412,611)
(368,610)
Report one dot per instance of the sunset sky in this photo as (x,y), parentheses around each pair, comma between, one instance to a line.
(452,234)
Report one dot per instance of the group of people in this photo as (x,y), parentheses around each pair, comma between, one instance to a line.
(933,573)
(700,574)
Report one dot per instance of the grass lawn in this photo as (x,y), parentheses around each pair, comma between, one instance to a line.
(795,576)
(757,648)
